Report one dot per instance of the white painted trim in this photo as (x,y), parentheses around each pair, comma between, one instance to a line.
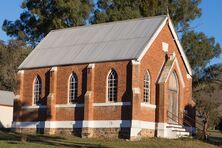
(112,104)
(33,85)
(179,72)
(148,105)
(136,90)
(150,42)
(165,47)
(53,69)
(17,97)
(90,123)
(188,76)
(149,88)
(158,76)
(91,66)
(162,130)
(134,62)
(34,107)
(107,76)
(68,105)
(68,91)
(21,72)
(180,47)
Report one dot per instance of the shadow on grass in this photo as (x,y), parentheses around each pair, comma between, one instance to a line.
(15,138)
(214,140)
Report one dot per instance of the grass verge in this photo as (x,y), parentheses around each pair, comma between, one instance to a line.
(10,139)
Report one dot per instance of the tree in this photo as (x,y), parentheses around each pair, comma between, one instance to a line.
(11,55)
(206,77)
(40,17)
(181,11)
(207,112)
(199,46)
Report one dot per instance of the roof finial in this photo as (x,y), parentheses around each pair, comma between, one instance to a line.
(168,14)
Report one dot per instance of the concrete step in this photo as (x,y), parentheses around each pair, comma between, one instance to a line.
(174,126)
(183,134)
(178,129)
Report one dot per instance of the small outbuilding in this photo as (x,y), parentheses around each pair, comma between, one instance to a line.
(6,108)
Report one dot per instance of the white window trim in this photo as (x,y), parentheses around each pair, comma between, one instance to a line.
(147,72)
(69,105)
(68,92)
(107,98)
(148,105)
(113,104)
(33,89)
(33,106)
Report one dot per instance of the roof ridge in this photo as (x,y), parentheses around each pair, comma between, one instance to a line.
(107,23)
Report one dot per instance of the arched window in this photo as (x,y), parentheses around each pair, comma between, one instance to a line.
(37,90)
(112,86)
(146,87)
(73,88)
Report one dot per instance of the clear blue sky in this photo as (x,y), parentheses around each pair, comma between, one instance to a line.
(210,22)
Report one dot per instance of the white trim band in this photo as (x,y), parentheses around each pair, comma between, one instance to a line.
(34,107)
(148,105)
(91,124)
(112,104)
(68,105)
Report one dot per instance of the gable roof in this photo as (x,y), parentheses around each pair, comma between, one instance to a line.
(6,97)
(121,40)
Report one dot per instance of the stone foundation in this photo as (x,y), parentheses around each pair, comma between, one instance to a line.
(111,132)
(89,132)
(147,133)
(25,130)
(79,132)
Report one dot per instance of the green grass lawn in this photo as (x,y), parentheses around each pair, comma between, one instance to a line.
(10,139)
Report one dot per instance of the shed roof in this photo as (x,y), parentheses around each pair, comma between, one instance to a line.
(6,97)
(121,40)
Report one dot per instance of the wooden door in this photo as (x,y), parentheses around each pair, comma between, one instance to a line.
(173,99)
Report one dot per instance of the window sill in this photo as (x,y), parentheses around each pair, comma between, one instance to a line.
(148,105)
(112,104)
(69,105)
(34,106)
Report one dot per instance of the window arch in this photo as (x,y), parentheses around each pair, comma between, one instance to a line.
(146,87)
(37,90)
(73,88)
(112,86)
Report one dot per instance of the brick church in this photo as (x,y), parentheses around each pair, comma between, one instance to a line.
(125,79)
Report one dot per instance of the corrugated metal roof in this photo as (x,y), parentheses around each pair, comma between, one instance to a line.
(120,40)
(6,97)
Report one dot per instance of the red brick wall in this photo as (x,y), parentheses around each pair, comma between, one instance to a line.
(101,73)
(29,76)
(153,61)
(63,74)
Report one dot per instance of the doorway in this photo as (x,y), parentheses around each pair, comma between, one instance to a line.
(173,99)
